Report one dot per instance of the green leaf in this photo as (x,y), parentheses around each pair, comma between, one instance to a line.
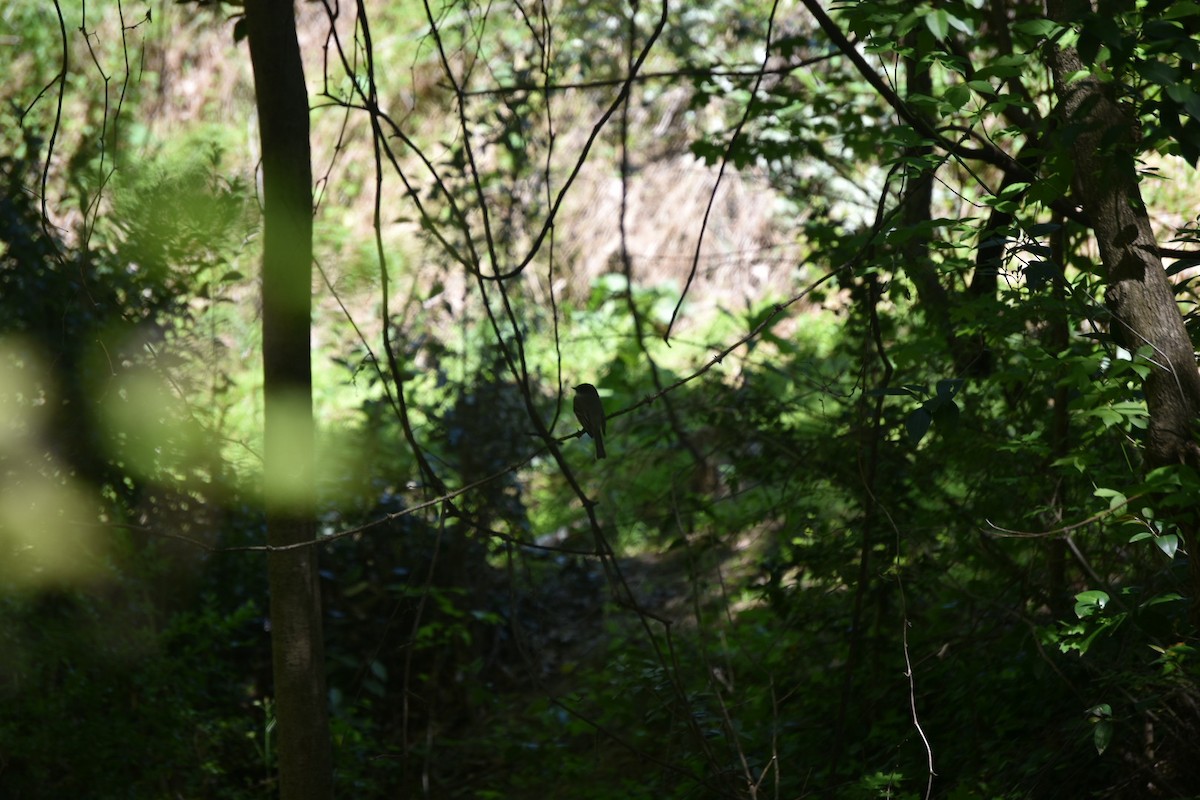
(1037,28)
(1186,97)
(938,23)
(946,415)
(1168,543)
(1102,736)
(963,25)
(1157,72)
(1107,416)
(1115,498)
(948,387)
(1039,274)
(917,423)
(957,96)
(1002,67)
(1002,206)
(1169,597)
(1089,602)
(1184,8)
(1015,189)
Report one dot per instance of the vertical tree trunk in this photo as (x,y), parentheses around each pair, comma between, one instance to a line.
(302,722)
(915,212)
(1139,295)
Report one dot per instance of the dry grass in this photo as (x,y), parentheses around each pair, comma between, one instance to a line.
(748,252)
(191,85)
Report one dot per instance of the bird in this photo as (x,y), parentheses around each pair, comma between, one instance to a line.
(590,413)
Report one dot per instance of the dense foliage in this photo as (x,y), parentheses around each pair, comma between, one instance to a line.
(883,525)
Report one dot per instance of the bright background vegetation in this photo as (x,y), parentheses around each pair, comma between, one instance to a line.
(842,552)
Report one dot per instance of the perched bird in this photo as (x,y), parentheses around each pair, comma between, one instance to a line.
(590,413)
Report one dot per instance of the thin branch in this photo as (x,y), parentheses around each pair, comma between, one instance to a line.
(646,77)
(1007,533)
(712,197)
(61,79)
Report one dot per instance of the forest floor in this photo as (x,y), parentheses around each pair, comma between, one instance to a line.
(579,609)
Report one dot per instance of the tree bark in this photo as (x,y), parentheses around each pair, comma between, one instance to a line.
(915,212)
(1139,295)
(1103,142)
(302,721)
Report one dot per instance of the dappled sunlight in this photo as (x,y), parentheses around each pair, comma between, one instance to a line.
(153,428)
(49,536)
(48,526)
(290,487)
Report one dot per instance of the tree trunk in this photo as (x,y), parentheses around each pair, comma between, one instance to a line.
(915,212)
(1103,142)
(302,721)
